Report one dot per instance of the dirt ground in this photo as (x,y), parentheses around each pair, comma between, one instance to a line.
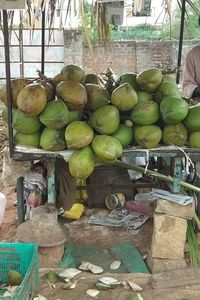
(88,281)
(81,232)
(9,226)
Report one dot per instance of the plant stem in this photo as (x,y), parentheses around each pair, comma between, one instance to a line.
(160,176)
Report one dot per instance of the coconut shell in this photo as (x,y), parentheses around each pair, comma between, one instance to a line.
(32,99)
(73,72)
(16,85)
(72,93)
(50,90)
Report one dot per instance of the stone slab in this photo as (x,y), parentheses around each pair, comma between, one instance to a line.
(157,265)
(175,278)
(169,236)
(173,209)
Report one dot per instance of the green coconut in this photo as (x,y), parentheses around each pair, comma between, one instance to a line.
(92,78)
(69,72)
(135,296)
(72,93)
(107,148)
(32,139)
(32,99)
(97,96)
(78,134)
(16,86)
(124,97)
(82,162)
(167,77)
(25,124)
(57,79)
(75,115)
(173,110)
(14,278)
(73,72)
(149,79)
(175,134)
(147,137)
(124,134)
(5,114)
(105,120)
(55,115)
(192,121)
(130,78)
(144,96)
(145,113)
(167,88)
(194,139)
(53,139)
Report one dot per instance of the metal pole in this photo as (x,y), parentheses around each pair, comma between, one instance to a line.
(43,42)
(8,81)
(21,46)
(180,40)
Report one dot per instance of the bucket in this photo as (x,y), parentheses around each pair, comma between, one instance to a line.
(2,207)
(115,200)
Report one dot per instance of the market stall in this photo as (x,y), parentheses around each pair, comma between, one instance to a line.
(171,155)
(173,211)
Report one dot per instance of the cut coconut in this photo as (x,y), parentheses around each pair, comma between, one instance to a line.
(115,265)
(69,273)
(92,293)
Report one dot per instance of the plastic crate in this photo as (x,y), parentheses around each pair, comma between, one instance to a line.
(23,258)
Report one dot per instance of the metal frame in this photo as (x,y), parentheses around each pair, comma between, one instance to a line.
(180,40)
(168,153)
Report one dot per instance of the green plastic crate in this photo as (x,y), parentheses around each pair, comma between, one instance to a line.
(23,258)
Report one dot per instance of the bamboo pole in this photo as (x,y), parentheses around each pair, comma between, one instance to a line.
(160,176)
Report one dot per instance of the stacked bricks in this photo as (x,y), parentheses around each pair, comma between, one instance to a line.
(169,235)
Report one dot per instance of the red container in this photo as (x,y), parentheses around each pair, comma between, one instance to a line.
(141,207)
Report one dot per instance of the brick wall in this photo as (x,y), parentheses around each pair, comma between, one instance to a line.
(125,56)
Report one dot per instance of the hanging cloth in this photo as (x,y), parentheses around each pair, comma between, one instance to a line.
(138,4)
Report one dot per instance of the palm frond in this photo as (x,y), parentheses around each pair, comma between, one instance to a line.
(87,34)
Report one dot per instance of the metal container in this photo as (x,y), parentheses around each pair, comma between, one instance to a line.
(115,200)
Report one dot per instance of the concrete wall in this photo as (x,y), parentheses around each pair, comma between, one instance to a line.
(124,56)
(66,47)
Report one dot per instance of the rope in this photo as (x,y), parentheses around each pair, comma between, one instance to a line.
(188,160)
(147,163)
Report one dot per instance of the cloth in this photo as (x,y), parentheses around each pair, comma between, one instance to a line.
(34,189)
(191,75)
(127,253)
(138,5)
(65,185)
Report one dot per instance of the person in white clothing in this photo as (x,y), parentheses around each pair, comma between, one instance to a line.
(191,74)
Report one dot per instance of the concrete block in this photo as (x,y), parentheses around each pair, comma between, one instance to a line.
(169,236)
(157,265)
(173,209)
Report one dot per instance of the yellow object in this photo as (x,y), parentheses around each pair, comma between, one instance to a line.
(75,212)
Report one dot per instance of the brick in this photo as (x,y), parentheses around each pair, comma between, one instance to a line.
(169,236)
(157,265)
(173,209)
